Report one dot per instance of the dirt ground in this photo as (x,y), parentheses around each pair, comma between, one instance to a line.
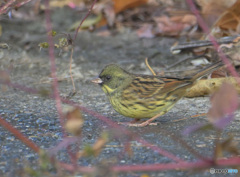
(37,118)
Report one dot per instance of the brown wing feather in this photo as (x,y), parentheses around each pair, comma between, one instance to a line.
(143,87)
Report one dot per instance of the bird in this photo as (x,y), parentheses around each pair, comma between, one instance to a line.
(141,96)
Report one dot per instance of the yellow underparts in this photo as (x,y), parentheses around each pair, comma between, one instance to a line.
(145,110)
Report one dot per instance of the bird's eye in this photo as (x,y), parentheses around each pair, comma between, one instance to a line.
(108,77)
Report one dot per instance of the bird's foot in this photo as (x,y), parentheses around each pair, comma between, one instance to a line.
(143,124)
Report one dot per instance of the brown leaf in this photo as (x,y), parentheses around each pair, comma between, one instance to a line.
(109,14)
(212,9)
(74,122)
(120,5)
(175,25)
(224,102)
(229,20)
(208,86)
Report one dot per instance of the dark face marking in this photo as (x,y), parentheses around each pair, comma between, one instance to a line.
(113,77)
(105,78)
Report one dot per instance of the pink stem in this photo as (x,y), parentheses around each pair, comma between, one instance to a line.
(206,30)
(53,66)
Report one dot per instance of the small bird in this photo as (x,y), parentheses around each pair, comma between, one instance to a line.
(145,96)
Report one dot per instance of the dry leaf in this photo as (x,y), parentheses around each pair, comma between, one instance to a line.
(228,21)
(88,23)
(208,86)
(114,7)
(74,122)
(212,9)
(110,14)
(120,5)
(175,25)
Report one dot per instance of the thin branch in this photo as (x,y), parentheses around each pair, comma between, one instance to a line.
(104,119)
(70,71)
(11,4)
(89,12)
(53,67)
(19,135)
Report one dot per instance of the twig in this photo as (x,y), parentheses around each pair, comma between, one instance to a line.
(75,37)
(23,3)
(5,7)
(149,67)
(104,119)
(11,3)
(19,135)
(70,71)
(89,12)
(232,161)
(53,67)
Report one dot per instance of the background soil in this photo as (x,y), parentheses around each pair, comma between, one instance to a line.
(37,118)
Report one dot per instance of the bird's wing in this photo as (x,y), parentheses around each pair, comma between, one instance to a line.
(144,87)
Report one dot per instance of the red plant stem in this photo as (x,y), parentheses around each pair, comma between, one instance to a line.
(220,163)
(233,161)
(19,135)
(4,8)
(23,3)
(125,131)
(206,30)
(12,4)
(89,12)
(161,167)
(105,119)
(53,66)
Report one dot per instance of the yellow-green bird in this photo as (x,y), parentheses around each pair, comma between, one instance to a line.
(145,96)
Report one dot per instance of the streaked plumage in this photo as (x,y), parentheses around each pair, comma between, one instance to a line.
(144,96)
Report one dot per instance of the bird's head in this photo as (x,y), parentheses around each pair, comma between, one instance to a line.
(112,78)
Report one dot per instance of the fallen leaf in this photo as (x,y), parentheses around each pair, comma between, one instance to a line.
(208,86)
(230,18)
(88,23)
(120,5)
(110,14)
(74,122)
(173,26)
(212,9)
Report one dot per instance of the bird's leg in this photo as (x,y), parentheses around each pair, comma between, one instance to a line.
(135,121)
(148,122)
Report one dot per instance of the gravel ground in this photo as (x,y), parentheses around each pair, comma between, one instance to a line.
(36,116)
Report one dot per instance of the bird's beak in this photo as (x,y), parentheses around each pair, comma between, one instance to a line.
(97,81)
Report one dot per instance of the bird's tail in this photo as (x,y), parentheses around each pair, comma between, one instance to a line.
(207,70)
